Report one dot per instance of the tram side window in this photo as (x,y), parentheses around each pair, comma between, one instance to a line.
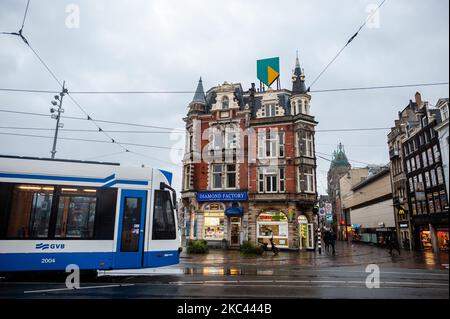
(76,213)
(163,217)
(30,211)
(105,213)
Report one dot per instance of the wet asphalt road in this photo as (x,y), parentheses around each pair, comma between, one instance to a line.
(288,275)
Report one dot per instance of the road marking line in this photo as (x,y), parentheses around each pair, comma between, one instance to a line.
(235,282)
(80,288)
(382,272)
(312,286)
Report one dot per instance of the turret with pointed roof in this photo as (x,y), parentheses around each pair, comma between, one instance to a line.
(298,79)
(198,104)
(199,96)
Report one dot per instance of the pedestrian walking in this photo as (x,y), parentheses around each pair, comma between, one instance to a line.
(392,244)
(332,240)
(275,249)
(326,239)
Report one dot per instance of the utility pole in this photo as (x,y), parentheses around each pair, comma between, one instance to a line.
(58,103)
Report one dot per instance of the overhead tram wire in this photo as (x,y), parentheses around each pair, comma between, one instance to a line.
(80,130)
(19,33)
(350,160)
(343,48)
(169,130)
(377,87)
(100,121)
(61,84)
(93,141)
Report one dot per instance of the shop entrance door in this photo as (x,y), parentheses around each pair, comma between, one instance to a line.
(235,238)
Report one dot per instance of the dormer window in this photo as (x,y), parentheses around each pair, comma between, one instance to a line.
(271,110)
(225,102)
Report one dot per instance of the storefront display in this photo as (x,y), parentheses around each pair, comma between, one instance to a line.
(306,233)
(273,224)
(442,236)
(425,238)
(214,225)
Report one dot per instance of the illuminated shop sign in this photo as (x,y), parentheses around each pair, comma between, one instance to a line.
(272,217)
(222,196)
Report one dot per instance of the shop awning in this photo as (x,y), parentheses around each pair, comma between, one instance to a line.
(234,211)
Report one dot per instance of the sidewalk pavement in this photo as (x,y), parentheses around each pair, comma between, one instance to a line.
(347,254)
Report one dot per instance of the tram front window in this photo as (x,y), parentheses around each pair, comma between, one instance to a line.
(30,211)
(163,217)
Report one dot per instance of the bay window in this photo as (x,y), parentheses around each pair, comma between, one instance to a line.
(305,144)
(306,177)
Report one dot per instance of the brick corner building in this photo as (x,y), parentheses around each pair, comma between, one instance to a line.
(249,169)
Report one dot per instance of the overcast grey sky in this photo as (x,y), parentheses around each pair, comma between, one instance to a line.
(168,45)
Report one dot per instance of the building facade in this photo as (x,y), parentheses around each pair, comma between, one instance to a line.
(407,122)
(346,182)
(249,169)
(339,167)
(442,130)
(369,205)
(426,191)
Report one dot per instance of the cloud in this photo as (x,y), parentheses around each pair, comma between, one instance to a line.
(167,45)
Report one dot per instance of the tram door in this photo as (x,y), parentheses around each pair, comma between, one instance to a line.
(130,239)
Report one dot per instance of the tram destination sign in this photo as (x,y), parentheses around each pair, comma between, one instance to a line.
(221,196)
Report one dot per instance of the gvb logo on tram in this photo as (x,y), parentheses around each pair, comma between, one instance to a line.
(43,246)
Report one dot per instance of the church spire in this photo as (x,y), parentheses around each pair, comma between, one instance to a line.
(298,79)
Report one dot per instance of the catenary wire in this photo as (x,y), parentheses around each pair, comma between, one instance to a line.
(91,140)
(375,87)
(343,48)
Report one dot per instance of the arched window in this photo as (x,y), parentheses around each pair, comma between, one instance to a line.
(225,102)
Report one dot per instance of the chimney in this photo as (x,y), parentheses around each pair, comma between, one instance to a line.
(418,99)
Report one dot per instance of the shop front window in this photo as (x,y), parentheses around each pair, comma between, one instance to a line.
(442,235)
(425,238)
(214,222)
(273,225)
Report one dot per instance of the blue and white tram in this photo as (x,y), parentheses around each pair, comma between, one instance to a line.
(98,216)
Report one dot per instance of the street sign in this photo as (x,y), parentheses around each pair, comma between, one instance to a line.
(328,208)
(329,218)
(268,70)
(322,211)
